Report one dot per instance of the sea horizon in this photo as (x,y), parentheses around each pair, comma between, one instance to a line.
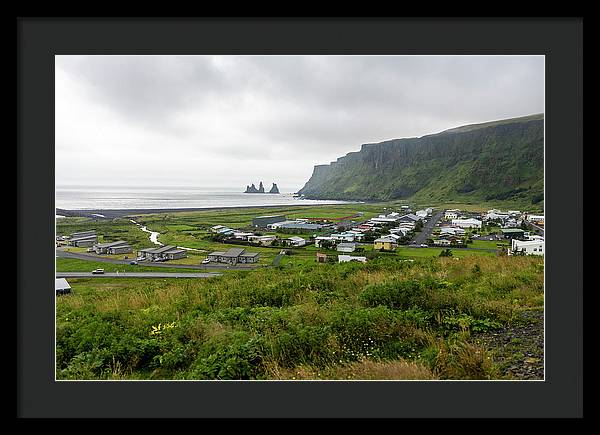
(112,197)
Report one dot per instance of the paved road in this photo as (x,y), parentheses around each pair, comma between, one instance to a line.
(427,229)
(537,227)
(87,257)
(135,275)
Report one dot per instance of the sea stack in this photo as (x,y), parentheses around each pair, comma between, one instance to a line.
(261,189)
(274,189)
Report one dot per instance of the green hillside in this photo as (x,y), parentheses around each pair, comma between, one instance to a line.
(490,162)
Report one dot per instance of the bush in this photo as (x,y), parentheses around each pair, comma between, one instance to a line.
(397,295)
(240,359)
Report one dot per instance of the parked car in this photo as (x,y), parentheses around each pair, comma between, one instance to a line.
(423,245)
(97,271)
(133,263)
(205,261)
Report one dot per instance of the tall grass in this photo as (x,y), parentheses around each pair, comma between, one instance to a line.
(266,323)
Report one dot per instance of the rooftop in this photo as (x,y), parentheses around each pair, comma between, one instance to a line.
(61,284)
(110,244)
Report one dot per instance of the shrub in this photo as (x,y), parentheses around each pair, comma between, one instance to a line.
(398,295)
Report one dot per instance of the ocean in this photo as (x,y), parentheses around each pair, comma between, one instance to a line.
(110,198)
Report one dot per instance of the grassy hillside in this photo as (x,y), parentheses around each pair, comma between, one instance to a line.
(387,319)
(500,161)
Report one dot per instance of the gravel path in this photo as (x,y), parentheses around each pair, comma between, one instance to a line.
(518,348)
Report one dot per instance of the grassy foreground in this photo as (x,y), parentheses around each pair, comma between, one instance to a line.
(387,319)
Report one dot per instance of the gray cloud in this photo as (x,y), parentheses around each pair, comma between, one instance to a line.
(196,115)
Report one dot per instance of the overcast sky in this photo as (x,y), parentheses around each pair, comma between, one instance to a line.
(228,121)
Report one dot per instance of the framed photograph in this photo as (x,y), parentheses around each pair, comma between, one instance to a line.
(335,224)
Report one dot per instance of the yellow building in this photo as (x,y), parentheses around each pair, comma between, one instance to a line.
(388,244)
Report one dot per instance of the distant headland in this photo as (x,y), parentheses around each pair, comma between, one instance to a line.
(252,188)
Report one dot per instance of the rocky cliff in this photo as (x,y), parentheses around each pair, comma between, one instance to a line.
(495,160)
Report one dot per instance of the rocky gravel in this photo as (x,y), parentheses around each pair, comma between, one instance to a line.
(518,349)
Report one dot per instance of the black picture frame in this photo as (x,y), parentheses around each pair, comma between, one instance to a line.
(559,40)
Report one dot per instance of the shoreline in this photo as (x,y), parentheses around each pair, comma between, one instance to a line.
(115,213)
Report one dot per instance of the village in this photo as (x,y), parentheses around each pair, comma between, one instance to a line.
(344,239)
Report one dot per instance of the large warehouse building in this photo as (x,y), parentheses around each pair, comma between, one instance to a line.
(263,221)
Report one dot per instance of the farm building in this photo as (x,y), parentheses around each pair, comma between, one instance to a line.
(346,247)
(168,252)
(61,286)
(347,258)
(527,247)
(263,221)
(120,247)
(234,256)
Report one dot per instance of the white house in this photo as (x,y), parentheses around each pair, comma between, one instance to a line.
(241,235)
(454,231)
(346,247)
(425,212)
(495,215)
(320,239)
(347,258)
(467,223)
(451,214)
(263,240)
(539,219)
(528,247)
(533,237)
(402,231)
(296,241)
(344,237)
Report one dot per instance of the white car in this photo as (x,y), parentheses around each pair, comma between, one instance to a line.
(97,271)
(205,261)
(423,245)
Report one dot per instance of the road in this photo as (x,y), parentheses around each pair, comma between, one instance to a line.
(88,257)
(135,275)
(425,233)
(537,228)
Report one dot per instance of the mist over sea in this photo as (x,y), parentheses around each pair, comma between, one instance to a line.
(148,197)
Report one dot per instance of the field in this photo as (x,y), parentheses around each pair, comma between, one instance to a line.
(388,318)
(408,314)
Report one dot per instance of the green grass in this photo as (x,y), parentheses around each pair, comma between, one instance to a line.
(77,265)
(273,323)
